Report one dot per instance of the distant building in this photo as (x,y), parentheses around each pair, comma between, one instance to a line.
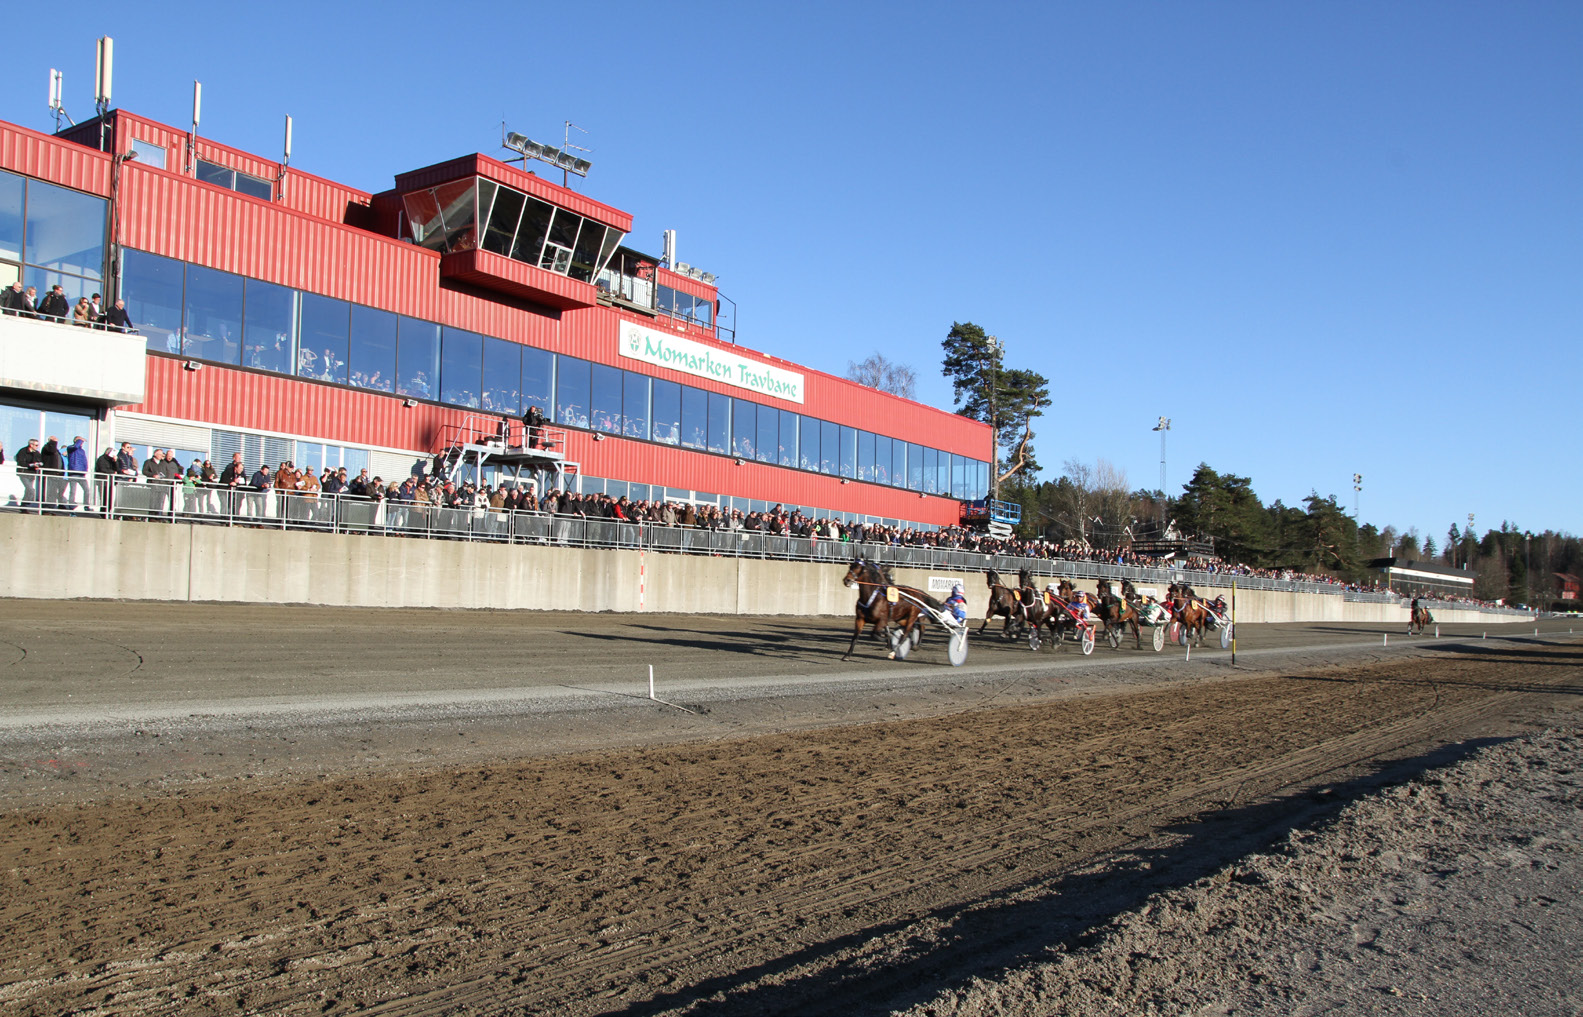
(1415,577)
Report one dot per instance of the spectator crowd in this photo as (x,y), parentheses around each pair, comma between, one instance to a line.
(25,302)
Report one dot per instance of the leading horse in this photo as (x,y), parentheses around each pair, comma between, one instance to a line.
(1120,613)
(881,603)
(1188,611)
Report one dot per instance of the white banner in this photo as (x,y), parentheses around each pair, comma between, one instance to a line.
(695,358)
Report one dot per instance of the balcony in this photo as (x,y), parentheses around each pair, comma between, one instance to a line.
(60,359)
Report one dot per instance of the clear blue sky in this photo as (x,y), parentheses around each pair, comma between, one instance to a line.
(1322,238)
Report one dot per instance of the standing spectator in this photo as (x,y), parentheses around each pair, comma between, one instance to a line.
(258,495)
(54,471)
(28,308)
(96,309)
(82,314)
(116,317)
(55,304)
(234,480)
(11,299)
(29,467)
(154,473)
(77,473)
(126,461)
(105,469)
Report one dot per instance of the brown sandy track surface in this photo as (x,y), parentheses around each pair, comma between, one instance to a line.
(824,870)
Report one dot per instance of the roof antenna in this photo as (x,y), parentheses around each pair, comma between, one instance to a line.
(566,146)
(56,88)
(285,160)
(192,135)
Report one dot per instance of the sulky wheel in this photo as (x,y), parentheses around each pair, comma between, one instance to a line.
(903,645)
(1158,638)
(1088,640)
(1033,639)
(1225,636)
(956,647)
(917,636)
(1113,637)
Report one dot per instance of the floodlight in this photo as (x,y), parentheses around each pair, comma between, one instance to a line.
(517,141)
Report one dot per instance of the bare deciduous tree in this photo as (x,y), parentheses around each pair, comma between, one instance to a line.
(878,372)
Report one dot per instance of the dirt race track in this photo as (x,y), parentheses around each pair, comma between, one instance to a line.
(225,809)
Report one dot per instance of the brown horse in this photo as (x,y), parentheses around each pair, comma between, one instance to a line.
(1004,601)
(1119,613)
(1188,611)
(1419,620)
(874,606)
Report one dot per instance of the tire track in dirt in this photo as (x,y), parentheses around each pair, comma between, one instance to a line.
(656,879)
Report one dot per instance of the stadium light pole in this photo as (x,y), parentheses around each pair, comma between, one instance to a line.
(1357,520)
(992,347)
(1164,426)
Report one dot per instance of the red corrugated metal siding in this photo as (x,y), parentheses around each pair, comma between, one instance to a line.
(529,282)
(266,402)
(58,161)
(697,287)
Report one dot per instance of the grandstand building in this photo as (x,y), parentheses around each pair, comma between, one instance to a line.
(288,317)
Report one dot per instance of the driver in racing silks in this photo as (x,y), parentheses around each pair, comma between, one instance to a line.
(956,603)
(1081,607)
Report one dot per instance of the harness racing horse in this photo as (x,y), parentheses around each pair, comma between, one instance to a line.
(1034,611)
(1188,611)
(875,607)
(1419,620)
(1003,602)
(1119,613)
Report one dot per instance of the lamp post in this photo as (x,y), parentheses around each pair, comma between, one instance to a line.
(1164,426)
(1357,520)
(993,348)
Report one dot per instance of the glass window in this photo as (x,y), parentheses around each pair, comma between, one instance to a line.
(829,447)
(635,404)
(10,218)
(848,451)
(787,448)
(423,219)
(557,256)
(914,467)
(959,478)
(898,462)
(151,286)
(667,411)
(744,428)
(268,325)
(258,187)
(931,475)
(585,256)
(538,378)
(865,455)
(322,342)
(461,367)
(571,391)
(148,153)
(65,230)
(530,234)
(808,444)
(881,459)
(719,422)
(18,426)
(606,399)
(768,442)
(943,475)
(503,219)
(458,201)
(214,173)
(418,359)
(983,480)
(502,377)
(695,417)
(213,329)
(73,286)
(372,363)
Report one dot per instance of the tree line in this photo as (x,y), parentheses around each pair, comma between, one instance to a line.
(1092,503)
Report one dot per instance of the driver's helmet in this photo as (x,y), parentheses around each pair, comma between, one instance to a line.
(1051,588)
(1082,595)
(957,591)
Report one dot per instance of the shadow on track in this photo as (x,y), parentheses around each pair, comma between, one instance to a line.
(993,936)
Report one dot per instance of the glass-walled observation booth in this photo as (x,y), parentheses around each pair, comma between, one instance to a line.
(479,214)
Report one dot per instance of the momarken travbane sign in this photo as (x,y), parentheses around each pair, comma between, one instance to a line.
(695,358)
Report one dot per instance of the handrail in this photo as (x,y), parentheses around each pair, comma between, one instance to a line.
(174,500)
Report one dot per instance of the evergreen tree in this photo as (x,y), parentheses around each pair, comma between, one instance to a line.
(1008,399)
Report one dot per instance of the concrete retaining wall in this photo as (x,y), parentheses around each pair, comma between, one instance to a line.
(52,557)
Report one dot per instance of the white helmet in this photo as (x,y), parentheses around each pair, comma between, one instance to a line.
(957,591)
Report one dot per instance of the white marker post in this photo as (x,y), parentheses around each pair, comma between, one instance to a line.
(1387,640)
(651,681)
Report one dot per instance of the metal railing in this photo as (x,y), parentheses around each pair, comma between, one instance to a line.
(242,505)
